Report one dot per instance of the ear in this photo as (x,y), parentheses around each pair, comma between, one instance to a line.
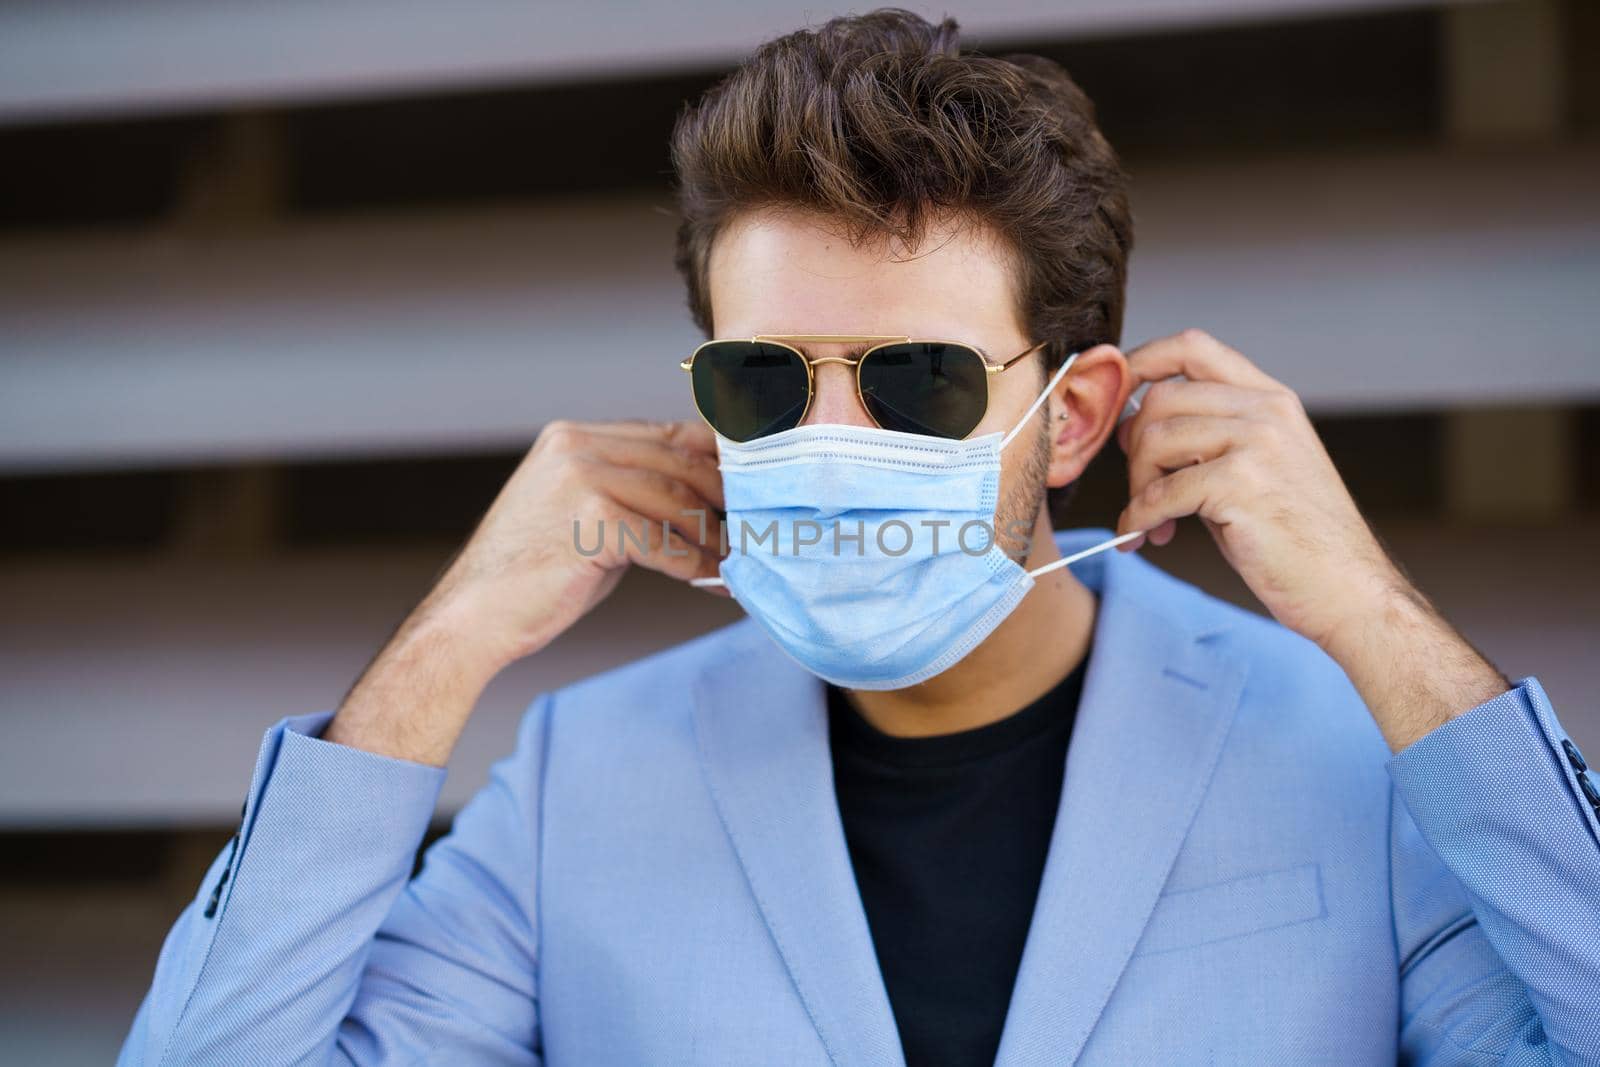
(1091,396)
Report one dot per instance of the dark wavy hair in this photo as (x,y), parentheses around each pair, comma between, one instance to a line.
(881,121)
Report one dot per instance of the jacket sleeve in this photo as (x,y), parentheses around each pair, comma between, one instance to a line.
(1495,872)
(309,942)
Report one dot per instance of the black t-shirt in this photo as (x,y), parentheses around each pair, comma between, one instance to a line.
(948,836)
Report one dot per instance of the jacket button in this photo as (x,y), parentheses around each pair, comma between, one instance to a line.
(1574,757)
(1586,783)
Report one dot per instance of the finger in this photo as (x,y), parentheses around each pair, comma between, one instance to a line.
(1163,533)
(1171,444)
(1199,357)
(697,468)
(1190,491)
(660,498)
(1175,396)
(691,434)
(650,544)
(640,445)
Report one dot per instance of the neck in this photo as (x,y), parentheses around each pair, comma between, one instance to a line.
(1026,656)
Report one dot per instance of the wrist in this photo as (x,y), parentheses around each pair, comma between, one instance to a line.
(1414,670)
(1366,609)
(457,628)
(415,697)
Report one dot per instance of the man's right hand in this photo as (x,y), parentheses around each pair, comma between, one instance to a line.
(521,579)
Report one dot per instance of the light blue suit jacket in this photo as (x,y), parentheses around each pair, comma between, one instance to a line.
(1240,873)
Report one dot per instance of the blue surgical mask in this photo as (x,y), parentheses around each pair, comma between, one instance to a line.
(869,555)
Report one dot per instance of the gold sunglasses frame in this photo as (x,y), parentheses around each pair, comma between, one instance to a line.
(790,340)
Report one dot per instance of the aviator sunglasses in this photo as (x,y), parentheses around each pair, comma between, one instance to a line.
(750,388)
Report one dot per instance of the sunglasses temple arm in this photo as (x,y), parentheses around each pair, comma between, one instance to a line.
(706,583)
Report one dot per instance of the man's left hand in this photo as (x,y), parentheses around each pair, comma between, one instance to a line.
(1234,446)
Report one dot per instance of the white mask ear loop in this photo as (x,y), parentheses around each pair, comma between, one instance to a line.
(1132,408)
(1038,400)
(1067,561)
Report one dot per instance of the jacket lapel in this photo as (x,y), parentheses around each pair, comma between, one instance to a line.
(1157,703)
(762,729)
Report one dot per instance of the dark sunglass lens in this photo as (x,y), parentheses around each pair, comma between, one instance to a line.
(925,387)
(747,389)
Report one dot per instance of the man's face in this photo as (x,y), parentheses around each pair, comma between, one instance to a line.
(790,273)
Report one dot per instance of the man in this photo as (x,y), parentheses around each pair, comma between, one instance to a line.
(927,805)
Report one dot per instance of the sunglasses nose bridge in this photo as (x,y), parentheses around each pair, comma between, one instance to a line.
(834,399)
